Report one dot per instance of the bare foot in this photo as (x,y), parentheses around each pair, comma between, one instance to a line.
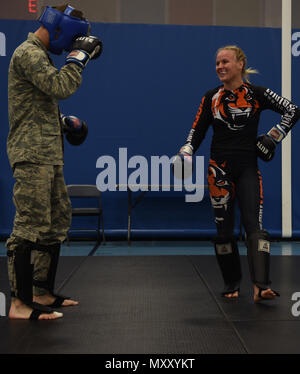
(49,299)
(19,310)
(233,295)
(267,294)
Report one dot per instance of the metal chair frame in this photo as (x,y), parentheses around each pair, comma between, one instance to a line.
(87,191)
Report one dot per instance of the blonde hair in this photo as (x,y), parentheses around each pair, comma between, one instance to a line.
(240,56)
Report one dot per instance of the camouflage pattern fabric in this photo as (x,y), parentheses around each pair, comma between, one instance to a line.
(43,208)
(43,214)
(34,88)
(35,151)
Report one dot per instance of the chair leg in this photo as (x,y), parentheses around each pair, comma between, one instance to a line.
(98,230)
(103,236)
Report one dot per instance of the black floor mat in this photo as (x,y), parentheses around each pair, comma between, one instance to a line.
(158,305)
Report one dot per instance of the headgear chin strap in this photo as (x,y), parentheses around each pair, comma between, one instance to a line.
(63,28)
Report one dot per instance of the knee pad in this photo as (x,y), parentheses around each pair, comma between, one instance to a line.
(258,250)
(228,258)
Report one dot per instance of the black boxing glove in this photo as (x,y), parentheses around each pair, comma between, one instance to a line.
(265,147)
(266,144)
(76,130)
(84,48)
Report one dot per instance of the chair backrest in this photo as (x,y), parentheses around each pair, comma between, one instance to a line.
(83,190)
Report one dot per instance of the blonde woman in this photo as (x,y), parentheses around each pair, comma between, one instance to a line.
(233,109)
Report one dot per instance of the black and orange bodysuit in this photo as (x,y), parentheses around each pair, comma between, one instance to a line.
(233,171)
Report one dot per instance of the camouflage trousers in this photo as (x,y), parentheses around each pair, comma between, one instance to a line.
(43,215)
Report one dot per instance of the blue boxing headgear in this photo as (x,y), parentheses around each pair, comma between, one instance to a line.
(63,28)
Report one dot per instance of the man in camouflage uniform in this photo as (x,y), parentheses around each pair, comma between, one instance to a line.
(35,151)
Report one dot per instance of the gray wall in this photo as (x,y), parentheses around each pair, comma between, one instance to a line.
(254,13)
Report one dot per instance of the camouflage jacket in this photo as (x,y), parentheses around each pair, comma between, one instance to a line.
(34,88)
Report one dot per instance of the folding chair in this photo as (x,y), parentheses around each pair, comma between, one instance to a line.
(87,191)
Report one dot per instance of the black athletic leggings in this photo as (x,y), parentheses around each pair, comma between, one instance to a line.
(231,179)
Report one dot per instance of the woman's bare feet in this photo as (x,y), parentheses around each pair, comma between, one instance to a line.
(49,299)
(266,294)
(19,310)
